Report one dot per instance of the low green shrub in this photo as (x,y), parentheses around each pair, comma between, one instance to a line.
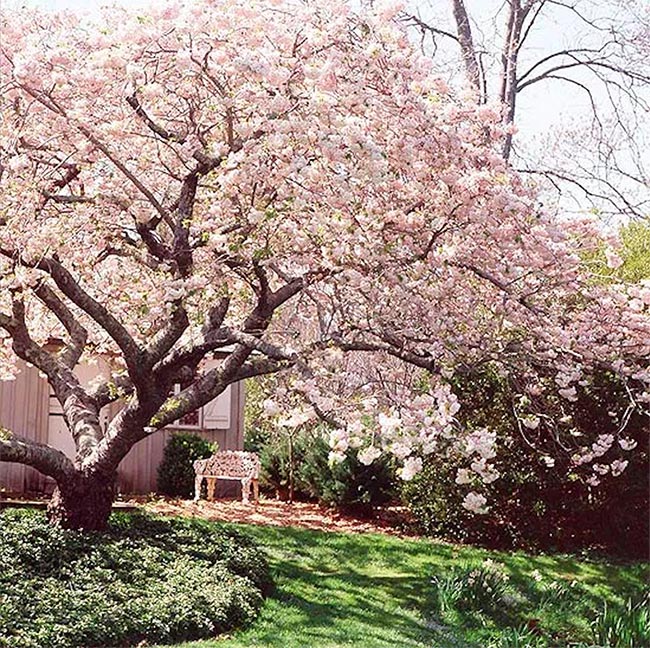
(146,580)
(348,485)
(175,472)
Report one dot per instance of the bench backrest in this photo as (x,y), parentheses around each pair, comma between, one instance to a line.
(229,463)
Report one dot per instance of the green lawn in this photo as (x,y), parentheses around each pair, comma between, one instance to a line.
(375,591)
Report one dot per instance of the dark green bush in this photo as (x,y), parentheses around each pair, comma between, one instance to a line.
(176,473)
(531,506)
(348,485)
(146,580)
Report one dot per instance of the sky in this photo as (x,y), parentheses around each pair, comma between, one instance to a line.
(543,111)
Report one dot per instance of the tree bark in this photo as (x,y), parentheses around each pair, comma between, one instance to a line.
(83,502)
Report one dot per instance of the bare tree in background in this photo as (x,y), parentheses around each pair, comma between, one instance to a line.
(595,52)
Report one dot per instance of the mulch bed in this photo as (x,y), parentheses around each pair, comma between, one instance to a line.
(267,512)
(270,512)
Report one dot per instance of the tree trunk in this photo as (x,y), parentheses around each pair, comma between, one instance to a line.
(83,503)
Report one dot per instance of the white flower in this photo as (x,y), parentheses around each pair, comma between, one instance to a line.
(400,450)
(339,441)
(335,457)
(618,466)
(549,461)
(536,575)
(613,260)
(593,481)
(388,424)
(463,476)
(368,455)
(270,407)
(569,393)
(475,502)
(531,422)
(627,443)
(412,466)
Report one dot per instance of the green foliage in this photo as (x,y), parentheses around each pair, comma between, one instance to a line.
(635,239)
(472,588)
(634,252)
(522,637)
(300,458)
(145,580)
(175,472)
(534,611)
(257,425)
(349,484)
(626,627)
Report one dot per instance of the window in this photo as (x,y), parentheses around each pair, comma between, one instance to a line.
(191,420)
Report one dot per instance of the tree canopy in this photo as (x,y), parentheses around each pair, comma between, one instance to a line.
(287,183)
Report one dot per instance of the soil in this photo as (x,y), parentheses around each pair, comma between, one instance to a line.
(270,512)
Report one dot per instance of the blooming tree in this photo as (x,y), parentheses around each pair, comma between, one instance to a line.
(286,183)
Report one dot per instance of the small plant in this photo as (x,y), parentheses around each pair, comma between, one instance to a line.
(481,589)
(554,594)
(176,473)
(521,637)
(627,627)
(448,590)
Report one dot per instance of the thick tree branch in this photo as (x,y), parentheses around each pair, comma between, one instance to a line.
(98,312)
(168,336)
(78,335)
(470,58)
(162,132)
(47,460)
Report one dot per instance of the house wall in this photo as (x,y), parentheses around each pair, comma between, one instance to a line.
(25,409)
(138,470)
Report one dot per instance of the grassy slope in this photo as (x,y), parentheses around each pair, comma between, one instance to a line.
(371,590)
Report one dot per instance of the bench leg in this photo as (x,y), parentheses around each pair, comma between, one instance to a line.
(197,487)
(212,482)
(245,490)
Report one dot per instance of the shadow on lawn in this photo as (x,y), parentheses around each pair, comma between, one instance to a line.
(338,589)
(330,593)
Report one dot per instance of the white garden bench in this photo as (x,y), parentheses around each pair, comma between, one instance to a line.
(228,464)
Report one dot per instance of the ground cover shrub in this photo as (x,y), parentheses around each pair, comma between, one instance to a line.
(145,580)
(176,472)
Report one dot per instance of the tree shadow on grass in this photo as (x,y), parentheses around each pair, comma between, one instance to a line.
(330,593)
(368,590)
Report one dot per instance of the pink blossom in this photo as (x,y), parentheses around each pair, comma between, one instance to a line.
(475,503)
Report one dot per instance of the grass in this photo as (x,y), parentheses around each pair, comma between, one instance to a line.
(375,591)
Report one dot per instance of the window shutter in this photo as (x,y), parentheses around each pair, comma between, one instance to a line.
(216,414)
